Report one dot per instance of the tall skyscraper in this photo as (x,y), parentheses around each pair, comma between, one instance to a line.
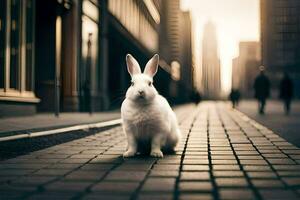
(211,76)
(186,69)
(169,40)
(280,39)
(175,46)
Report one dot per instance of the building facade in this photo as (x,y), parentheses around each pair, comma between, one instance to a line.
(175,46)
(69,55)
(211,74)
(245,67)
(280,40)
(187,68)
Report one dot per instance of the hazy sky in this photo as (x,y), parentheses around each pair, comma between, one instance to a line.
(235,20)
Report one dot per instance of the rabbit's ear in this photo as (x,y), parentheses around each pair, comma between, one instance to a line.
(152,65)
(133,66)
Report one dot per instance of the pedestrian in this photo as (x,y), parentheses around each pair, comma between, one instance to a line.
(262,90)
(195,96)
(234,97)
(286,92)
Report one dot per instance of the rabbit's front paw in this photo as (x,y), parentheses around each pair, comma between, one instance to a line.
(157,154)
(128,154)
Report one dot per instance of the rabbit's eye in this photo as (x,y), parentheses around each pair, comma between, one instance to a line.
(132,83)
(150,83)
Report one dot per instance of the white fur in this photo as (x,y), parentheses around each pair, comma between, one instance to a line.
(150,117)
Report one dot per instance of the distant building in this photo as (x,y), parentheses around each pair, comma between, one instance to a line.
(175,46)
(169,38)
(280,40)
(245,67)
(211,75)
(186,69)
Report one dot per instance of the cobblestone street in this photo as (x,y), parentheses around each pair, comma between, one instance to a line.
(222,155)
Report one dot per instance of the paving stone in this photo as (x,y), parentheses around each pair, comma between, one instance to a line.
(194,176)
(278,194)
(115,187)
(159,185)
(167,167)
(97,167)
(231,182)
(70,166)
(256,168)
(226,167)
(292,181)
(253,162)
(195,186)
(50,195)
(32,181)
(287,167)
(223,162)
(134,167)
(246,152)
(236,194)
(67,186)
(289,173)
(195,162)
(263,175)
(221,152)
(250,157)
(97,196)
(126,175)
(228,173)
(223,157)
(195,168)
(82,175)
(52,172)
(271,183)
(281,161)
(151,196)
(195,197)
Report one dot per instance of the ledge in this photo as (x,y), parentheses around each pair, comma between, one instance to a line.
(20,99)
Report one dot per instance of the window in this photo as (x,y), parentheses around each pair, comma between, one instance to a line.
(14,44)
(16,48)
(29,45)
(2,41)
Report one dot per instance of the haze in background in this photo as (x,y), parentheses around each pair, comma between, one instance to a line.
(235,20)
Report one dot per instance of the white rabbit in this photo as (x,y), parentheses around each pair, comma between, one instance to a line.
(147,118)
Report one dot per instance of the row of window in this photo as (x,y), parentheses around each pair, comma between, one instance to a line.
(285,19)
(286,45)
(286,3)
(286,37)
(286,11)
(285,57)
(286,28)
(16,46)
(135,20)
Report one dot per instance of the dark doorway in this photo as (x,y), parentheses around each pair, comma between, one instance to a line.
(45,53)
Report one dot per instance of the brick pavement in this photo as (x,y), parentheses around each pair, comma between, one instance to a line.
(223,155)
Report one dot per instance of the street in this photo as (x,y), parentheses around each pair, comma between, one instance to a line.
(286,126)
(222,155)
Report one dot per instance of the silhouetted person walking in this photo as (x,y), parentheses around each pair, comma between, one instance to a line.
(286,92)
(262,89)
(234,97)
(195,97)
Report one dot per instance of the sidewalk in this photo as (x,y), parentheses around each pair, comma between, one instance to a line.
(286,126)
(16,125)
(223,155)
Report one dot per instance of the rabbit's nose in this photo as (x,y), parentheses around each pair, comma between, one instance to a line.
(141,92)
